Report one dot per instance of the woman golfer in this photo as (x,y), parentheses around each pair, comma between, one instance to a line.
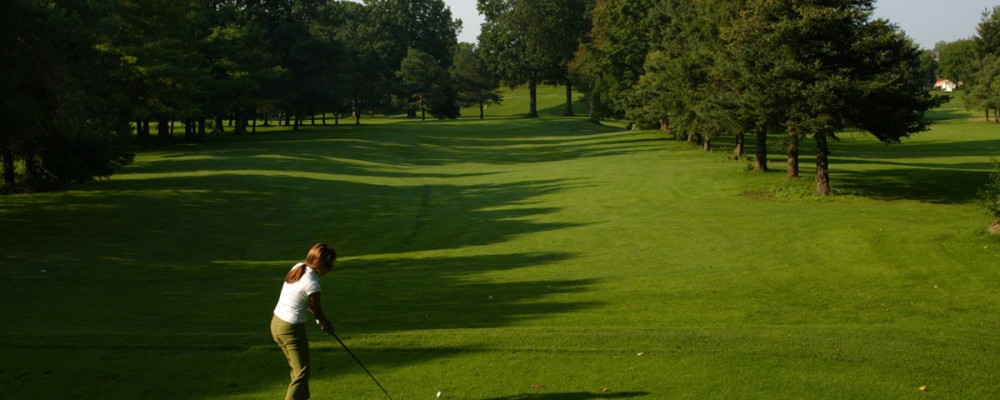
(300,293)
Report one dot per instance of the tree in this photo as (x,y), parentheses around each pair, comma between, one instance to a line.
(957,60)
(613,59)
(987,39)
(163,68)
(425,85)
(989,197)
(982,79)
(532,41)
(928,67)
(570,28)
(830,67)
(983,92)
(362,76)
(679,85)
(760,79)
(64,120)
(396,26)
(475,85)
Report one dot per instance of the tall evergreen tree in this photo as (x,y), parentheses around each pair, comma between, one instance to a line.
(615,57)
(827,66)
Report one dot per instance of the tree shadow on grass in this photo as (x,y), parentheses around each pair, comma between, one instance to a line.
(443,293)
(940,184)
(572,396)
(912,171)
(380,151)
(180,258)
(918,171)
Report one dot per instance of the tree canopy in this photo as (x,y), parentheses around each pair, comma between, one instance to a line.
(811,68)
(81,76)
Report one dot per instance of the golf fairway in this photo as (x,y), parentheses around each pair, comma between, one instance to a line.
(512,258)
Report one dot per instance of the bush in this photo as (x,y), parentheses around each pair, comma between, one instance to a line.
(990,197)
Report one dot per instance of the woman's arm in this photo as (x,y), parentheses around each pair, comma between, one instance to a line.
(316,308)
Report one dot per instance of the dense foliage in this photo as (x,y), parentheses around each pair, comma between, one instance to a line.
(974,65)
(713,67)
(989,196)
(64,120)
(84,72)
(81,76)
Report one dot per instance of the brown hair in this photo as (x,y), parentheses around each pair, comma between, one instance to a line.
(319,254)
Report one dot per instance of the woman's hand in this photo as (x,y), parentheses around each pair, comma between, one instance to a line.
(325,326)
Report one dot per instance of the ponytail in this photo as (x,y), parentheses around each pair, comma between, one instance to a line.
(295,274)
(319,254)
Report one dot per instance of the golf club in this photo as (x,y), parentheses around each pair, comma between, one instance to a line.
(334,334)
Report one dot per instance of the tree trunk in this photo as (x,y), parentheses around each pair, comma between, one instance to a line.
(760,161)
(665,126)
(189,130)
(822,163)
(707,144)
(793,152)
(357,110)
(218,125)
(569,100)
(32,173)
(738,151)
(240,128)
(7,156)
(592,109)
(532,98)
(201,128)
(142,130)
(163,130)
(482,110)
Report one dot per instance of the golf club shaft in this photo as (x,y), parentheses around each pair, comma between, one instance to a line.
(359,363)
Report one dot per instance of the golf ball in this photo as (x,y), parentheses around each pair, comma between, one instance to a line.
(439,394)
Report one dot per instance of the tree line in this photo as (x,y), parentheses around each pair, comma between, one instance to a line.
(85,76)
(701,69)
(974,64)
(83,79)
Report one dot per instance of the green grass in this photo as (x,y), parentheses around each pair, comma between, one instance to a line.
(511,259)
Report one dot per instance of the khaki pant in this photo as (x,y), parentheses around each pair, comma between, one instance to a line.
(294,343)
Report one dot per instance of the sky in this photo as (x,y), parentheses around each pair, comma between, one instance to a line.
(932,21)
(926,21)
